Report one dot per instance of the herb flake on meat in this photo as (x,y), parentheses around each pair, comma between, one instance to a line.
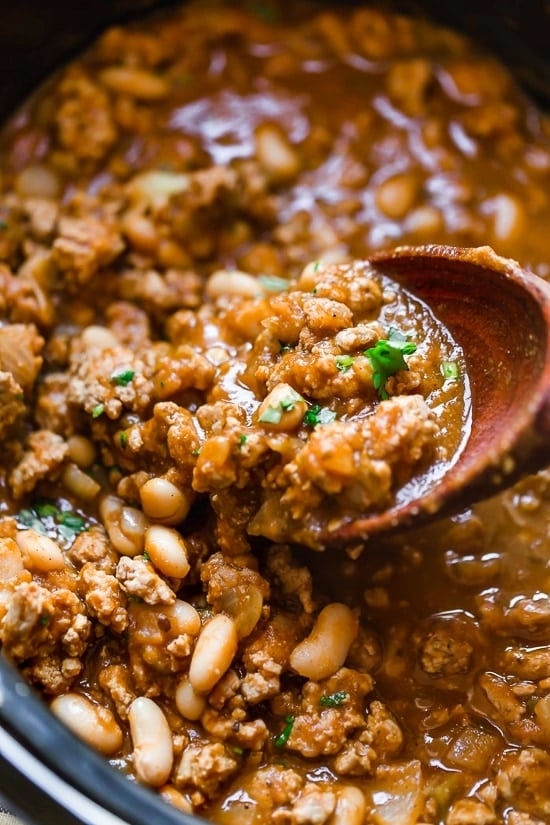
(344,362)
(388,357)
(46,518)
(319,415)
(333,700)
(449,370)
(284,736)
(121,378)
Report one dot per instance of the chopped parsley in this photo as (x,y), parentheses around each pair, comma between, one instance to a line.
(344,362)
(123,439)
(319,415)
(283,737)
(98,410)
(333,700)
(45,619)
(449,370)
(71,520)
(285,347)
(47,518)
(242,439)
(274,414)
(272,283)
(388,357)
(121,378)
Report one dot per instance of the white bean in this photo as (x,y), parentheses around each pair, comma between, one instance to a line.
(213,653)
(82,451)
(184,617)
(125,525)
(325,650)
(190,704)
(79,483)
(134,82)
(39,552)
(11,560)
(93,723)
(275,153)
(97,337)
(283,409)
(163,501)
(152,740)
(396,195)
(232,283)
(176,798)
(37,181)
(167,551)
(350,807)
(509,217)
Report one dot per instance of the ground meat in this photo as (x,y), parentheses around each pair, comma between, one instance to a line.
(12,404)
(137,578)
(116,682)
(221,578)
(38,620)
(84,119)
(442,654)
(93,546)
(293,580)
(204,767)
(470,812)
(109,380)
(312,806)
(103,597)
(43,455)
(521,781)
(84,246)
(527,617)
(20,353)
(320,729)
(362,461)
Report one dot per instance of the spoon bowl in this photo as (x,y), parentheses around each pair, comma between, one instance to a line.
(499,314)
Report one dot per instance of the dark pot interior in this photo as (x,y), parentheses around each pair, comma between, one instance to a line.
(33,41)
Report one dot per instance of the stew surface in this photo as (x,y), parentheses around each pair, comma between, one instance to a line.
(200,375)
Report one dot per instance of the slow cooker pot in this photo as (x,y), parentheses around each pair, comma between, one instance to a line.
(47,776)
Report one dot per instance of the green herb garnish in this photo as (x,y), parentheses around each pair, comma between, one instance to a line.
(98,410)
(121,378)
(449,370)
(242,439)
(71,520)
(319,415)
(284,735)
(123,439)
(333,700)
(273,415)
(272,283)
(50,520)
(387,358)
(344,362)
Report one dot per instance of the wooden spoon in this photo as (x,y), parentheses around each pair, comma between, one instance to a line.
(500,315)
